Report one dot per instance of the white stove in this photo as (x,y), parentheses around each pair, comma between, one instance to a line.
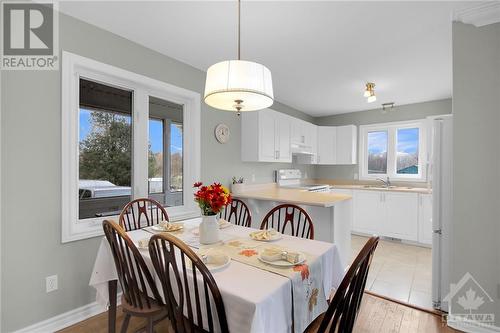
(292,178)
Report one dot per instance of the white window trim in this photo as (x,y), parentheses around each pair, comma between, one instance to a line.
(391,128)
(74,67)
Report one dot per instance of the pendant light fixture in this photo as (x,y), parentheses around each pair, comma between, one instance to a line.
(370,92)
(239,85)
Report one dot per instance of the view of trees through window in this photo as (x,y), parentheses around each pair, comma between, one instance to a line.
(377,152)
(155,155)
(176,157)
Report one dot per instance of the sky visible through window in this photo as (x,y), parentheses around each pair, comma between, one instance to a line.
(377,152)
(407,150)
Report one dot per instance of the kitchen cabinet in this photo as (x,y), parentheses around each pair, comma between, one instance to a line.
(346,145)
(401,215)
(425,219)
(303,133)
(327,146)
(369,212)
(266,136)
(386,213)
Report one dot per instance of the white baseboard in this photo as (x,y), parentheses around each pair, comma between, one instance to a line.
(66,319)
(473,327)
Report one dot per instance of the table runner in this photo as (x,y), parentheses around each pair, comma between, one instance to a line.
(306,278)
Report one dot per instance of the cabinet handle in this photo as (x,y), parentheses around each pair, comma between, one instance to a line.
(278,154)
(303,139)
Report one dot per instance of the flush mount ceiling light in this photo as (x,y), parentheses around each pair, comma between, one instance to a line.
(239,85)
(370,92)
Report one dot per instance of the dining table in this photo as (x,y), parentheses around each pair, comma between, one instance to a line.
(257,298)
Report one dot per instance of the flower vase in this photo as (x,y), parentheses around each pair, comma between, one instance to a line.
(209,229)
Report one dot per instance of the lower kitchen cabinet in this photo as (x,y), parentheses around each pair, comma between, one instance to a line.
(369,212)
(389,214)
(402,215)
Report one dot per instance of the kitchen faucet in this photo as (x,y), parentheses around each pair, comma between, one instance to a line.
(387,182)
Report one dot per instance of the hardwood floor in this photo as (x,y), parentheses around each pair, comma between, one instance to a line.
(376,315)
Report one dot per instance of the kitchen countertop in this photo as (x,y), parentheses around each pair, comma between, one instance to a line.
(369,186)
(420,190)
(272,192)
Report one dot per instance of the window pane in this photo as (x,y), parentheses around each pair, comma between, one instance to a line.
(104,162)
(166,146)
(175,157)
(407,151)
(377,152)
(155,161)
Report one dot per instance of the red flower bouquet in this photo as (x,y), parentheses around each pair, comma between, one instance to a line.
(211,199)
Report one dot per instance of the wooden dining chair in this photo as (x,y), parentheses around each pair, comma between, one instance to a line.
(193,298)
(237,212)
(135,279)
(341,313)
(289,219)
(140,213)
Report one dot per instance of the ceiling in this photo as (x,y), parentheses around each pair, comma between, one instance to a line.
(321,54)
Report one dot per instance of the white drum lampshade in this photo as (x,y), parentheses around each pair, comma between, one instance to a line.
(238,85)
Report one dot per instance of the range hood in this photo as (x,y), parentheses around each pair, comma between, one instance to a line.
(301,149)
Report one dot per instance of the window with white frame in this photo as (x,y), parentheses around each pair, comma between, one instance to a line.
(395,150)
(124,136)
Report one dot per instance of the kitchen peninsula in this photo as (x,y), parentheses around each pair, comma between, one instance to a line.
(330,212)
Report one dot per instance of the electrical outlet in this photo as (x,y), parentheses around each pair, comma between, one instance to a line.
(355,176)
(50,283)
(253,177)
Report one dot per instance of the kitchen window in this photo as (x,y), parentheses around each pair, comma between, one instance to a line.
(395,150)
(121,132)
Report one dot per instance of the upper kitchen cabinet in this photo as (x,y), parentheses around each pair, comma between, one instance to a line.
(346,145)
(303,133)
(327,145)
(266,136)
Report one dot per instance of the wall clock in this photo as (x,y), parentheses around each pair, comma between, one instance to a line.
(222,133)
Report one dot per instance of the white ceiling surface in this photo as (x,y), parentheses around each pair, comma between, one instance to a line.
(320,53)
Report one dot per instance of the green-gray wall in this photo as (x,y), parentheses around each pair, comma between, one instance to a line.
(476,117)
(31,172)
(399,113)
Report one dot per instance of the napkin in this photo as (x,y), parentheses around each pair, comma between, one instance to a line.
(143,243)
(167,226)
(213,258)
(264,234)
(274,254)
(223,223)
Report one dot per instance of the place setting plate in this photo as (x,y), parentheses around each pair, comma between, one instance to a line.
(167,227)
(277,257)
(269,235)
(214,261)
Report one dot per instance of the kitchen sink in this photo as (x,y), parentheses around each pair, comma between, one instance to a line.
(378,187)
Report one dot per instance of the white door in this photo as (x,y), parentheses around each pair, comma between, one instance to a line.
(402,214)
(326,145)
(283,138)
(267,128)
(369,212)
(425,218)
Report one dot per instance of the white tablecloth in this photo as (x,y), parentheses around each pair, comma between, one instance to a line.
(255,300)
